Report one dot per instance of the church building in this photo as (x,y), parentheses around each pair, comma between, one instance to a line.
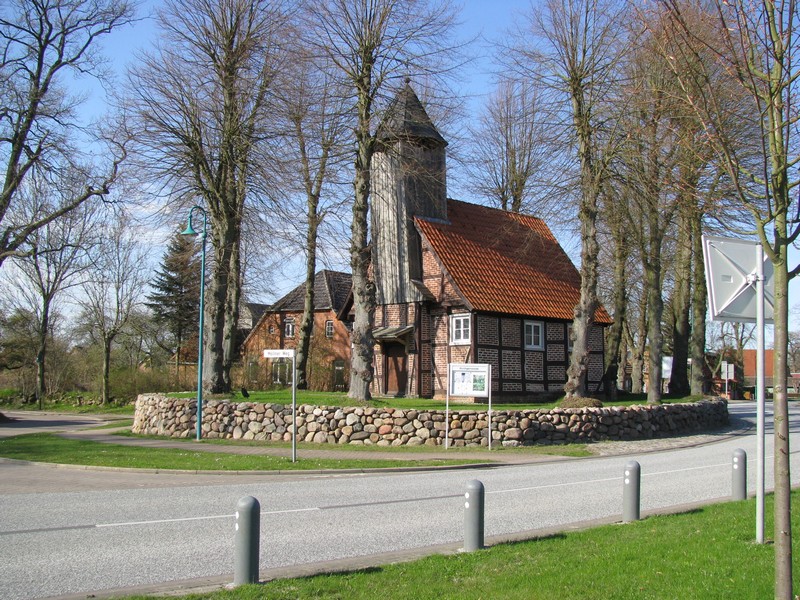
(463,283)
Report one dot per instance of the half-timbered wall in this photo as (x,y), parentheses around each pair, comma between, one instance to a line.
(399,315)
(499,341)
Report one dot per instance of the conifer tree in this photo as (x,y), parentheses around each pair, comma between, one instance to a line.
(175,300)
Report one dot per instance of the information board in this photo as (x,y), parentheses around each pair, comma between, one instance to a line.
(469,380)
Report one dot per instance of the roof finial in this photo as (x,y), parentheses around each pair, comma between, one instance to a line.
(407,79)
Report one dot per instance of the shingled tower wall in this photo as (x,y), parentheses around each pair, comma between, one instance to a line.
(408,180)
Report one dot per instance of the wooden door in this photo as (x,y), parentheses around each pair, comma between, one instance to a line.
(396,369)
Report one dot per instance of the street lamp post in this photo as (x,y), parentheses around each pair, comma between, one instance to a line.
(191,231)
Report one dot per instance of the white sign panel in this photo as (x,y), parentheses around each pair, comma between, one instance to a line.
(469,380)
(282,353)
(727,370)
(731,277)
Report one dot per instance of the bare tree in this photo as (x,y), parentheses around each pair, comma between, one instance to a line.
(201,114)
(312,102)
(42,43)
(756,44)
(582,45)
(112,290)
(372,42)
(615,221)
(57,255)
(511,149)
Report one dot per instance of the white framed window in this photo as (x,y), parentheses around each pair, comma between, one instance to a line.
(328,329)
(569,337)
(288,328)
(534,335)
(460,332)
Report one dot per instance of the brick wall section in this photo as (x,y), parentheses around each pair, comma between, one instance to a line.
(487,330)
(175,417)
(434,279)
(556,332)
(511,333)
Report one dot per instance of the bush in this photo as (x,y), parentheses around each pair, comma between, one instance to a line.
(580,402)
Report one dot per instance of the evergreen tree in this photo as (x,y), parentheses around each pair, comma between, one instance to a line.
(175,300)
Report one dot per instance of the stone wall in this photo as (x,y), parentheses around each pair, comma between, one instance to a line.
(160,415)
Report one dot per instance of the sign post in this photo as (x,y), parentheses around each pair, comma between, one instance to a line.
(289,353)
(464,379)
(740,289)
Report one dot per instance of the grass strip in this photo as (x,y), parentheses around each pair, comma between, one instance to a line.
(50,448)
(707,553)
(115,424)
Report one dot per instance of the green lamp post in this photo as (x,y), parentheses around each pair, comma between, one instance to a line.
(191,231)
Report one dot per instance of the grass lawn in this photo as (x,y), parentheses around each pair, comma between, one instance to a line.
(703,554)
(46,447)
(284,396)
(71,407)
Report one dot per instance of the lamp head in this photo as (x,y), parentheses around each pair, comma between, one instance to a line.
(189,229)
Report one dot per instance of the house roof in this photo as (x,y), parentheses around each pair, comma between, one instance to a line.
(330,293)
(505,262)
(256,310)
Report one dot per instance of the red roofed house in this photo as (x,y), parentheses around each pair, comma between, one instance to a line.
(459,282)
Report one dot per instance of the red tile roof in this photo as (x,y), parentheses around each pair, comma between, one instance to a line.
(505,262)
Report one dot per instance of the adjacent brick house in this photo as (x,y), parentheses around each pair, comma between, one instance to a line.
(279,327)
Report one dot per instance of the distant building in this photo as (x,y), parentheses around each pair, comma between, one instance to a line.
(279,327)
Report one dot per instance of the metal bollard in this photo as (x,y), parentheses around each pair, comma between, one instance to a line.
(631,495)
(739,475)
(246,547)
(473,516)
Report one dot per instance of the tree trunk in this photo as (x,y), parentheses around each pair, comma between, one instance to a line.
(655,310)
(637,361)
(220,331)
(361,364)
(232,300)
(307,324)
(699,305)
(106,386)
(44,325)
(783,489)
(587,214)
(679,379)
(362,368)
(614,337)
(623,360)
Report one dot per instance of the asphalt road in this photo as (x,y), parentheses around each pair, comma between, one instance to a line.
(147,530)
